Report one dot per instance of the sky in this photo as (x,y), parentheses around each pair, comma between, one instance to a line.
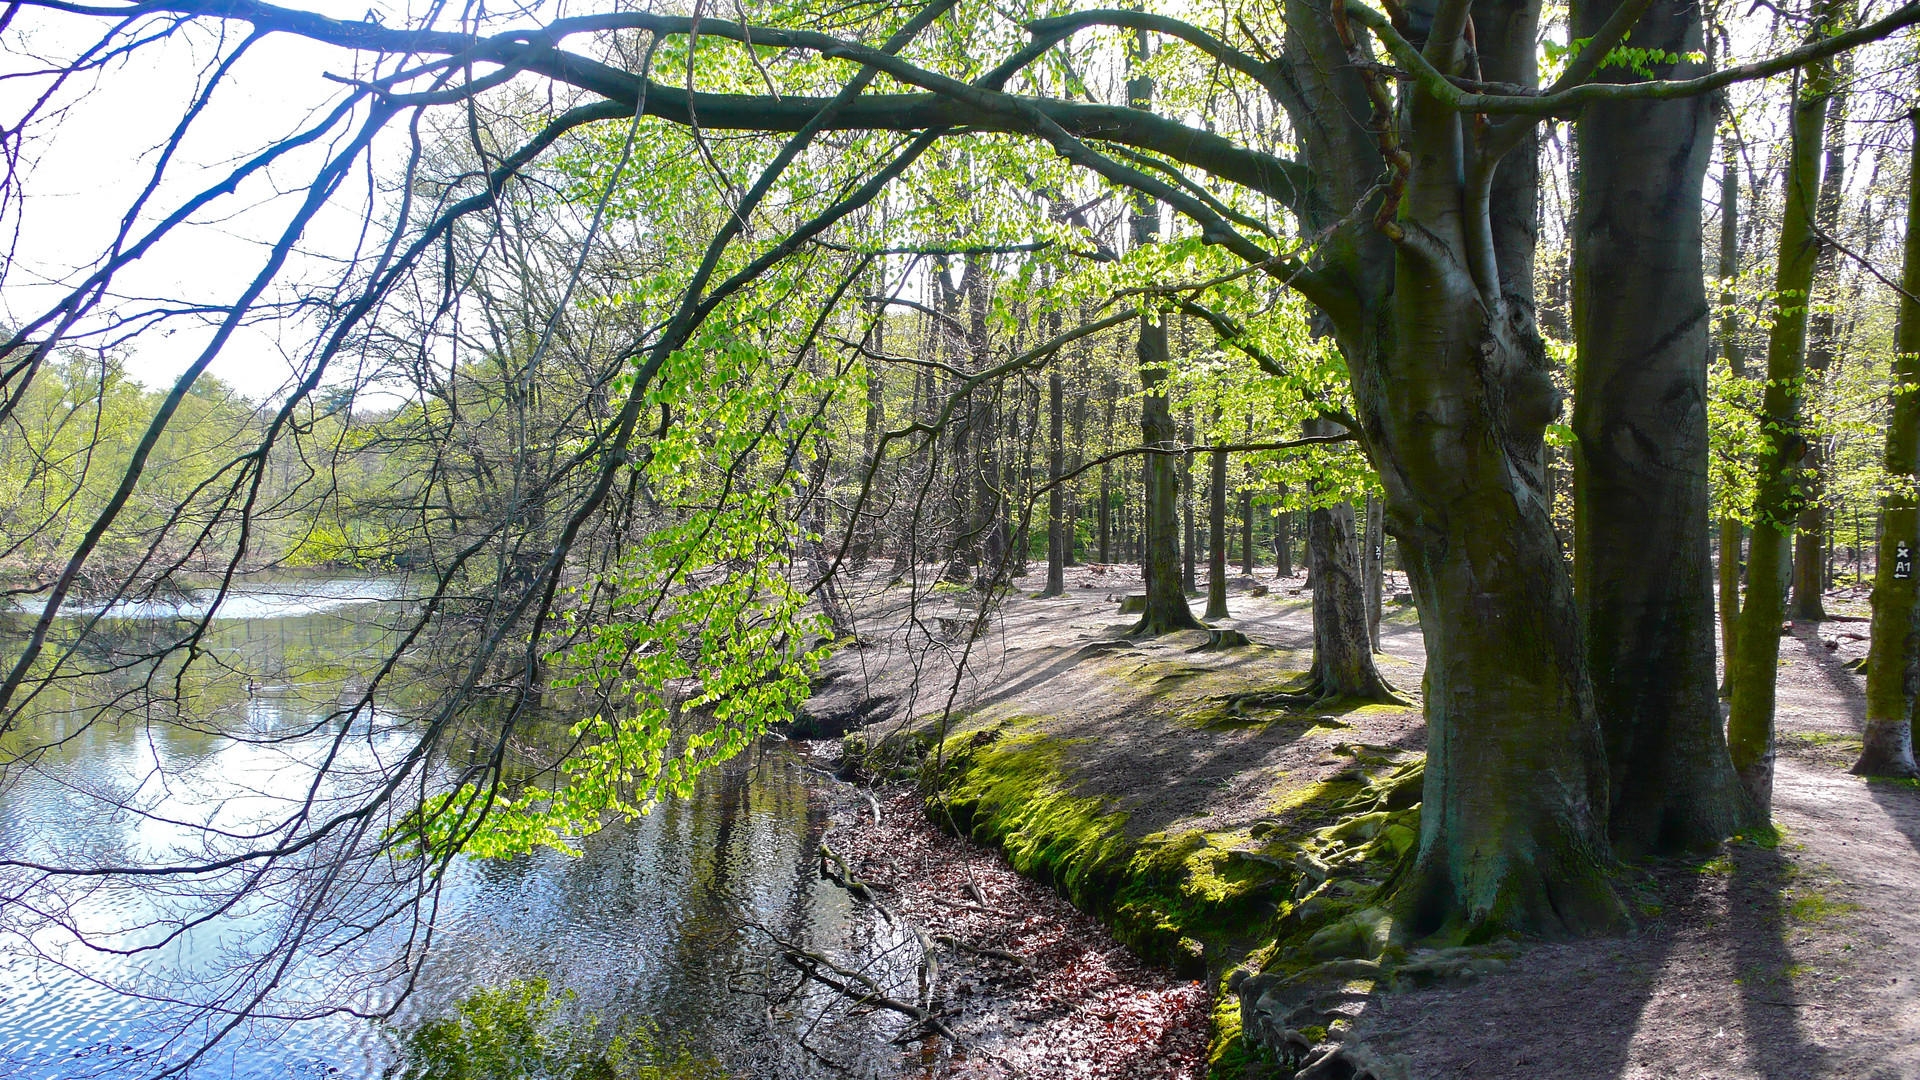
(86,168)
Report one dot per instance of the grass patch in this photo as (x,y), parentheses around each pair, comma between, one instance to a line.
(1816,908)
(1907,782)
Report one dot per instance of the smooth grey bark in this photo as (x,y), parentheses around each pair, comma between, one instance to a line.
(1190,548)
(1727,338)
(1343,650)
(1079,444)
(1643,569)
(1246,533)
(1105,509)
(1342,644)
(1056,467)
(1732,534)
(1283,540)
(1217,537)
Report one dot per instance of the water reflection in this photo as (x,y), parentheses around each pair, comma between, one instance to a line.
(645,926)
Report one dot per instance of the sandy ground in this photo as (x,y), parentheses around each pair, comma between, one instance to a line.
(1776,963)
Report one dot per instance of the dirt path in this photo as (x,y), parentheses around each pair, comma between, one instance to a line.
(1801,961)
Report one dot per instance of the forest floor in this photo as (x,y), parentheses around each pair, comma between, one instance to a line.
(1800,960)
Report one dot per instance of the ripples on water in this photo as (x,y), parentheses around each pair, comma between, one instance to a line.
(641,926)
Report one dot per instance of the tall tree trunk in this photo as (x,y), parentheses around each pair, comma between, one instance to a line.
(1453,396)
(1217,536)
(1731,533)
(1810,534)
(1283,541)
(1728,338)
(1776,503)
(1166,602)
(1106,485)
(1079,444)
(1190,547)
(866,532)
(1373,550)
(1643,567)
(1246,525)
(1056,467)
(1342,642)
(1893,658)
(986,553)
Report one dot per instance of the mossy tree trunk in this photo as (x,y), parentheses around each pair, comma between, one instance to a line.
(1893,659)
(1643,567)
(1777,500)
(1433,311)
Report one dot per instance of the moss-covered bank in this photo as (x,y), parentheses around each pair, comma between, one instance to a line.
(1266,900)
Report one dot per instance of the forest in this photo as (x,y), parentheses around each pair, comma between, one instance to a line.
(1308,539)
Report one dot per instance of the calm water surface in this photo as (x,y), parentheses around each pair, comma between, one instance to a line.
(643,927)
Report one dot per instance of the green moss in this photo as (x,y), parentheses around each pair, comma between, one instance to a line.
(1200,900)
(1823,738)
(1227,1052)
(1009,792)
(1322,793)
(1813,908)
(1183,898)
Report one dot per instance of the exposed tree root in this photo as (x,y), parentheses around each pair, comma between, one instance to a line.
(1154,624)
(1886,765)
(1310,691)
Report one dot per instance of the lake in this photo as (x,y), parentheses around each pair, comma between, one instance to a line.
(647,925)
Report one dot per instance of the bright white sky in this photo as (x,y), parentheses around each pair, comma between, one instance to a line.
(87,168)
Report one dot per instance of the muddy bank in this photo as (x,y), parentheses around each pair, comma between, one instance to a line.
(1032,986)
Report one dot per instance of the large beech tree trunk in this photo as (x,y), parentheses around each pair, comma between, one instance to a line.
(1777,502)
(1643,568)
(1434,316)
(1893,659)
